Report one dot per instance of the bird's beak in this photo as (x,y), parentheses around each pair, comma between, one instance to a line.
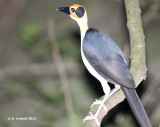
(64,9)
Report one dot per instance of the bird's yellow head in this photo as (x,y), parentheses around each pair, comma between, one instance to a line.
(78,13)
(75,10)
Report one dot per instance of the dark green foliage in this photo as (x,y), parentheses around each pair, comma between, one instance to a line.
(41,51)
(10,92)
(47,123)
(30,32)
(34,39)
(69,48)
(52,96)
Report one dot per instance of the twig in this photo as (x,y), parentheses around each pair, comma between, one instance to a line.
(30,70)
(138,65)
(60,68)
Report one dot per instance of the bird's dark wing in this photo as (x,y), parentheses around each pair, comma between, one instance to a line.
(115,70)
(107,58)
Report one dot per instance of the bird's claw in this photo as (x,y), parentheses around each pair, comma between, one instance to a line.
(97,102)
(92,117)
(95,116)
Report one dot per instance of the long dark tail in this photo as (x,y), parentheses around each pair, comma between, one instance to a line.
(137,107)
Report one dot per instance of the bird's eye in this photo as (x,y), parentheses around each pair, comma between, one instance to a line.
(72,9)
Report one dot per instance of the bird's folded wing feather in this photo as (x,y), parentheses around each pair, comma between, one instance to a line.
(115,70)
(107,58)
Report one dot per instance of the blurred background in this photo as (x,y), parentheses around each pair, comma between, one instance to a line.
(41,71)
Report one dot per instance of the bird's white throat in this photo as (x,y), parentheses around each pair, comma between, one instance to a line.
(83,24)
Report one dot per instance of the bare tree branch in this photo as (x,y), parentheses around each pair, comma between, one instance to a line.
(31,70)
(138,59)
(60,68)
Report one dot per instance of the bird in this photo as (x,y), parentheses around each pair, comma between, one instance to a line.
(106,62)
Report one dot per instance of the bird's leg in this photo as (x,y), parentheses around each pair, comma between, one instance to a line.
(108,94)
(117,87)
(106,89)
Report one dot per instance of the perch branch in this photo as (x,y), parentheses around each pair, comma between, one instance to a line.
(138,60)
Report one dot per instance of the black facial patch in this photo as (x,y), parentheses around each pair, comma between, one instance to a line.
(80,12)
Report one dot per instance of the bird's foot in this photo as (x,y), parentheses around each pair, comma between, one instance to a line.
(92,117)
(101,104)
(95,116)
(98,102)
